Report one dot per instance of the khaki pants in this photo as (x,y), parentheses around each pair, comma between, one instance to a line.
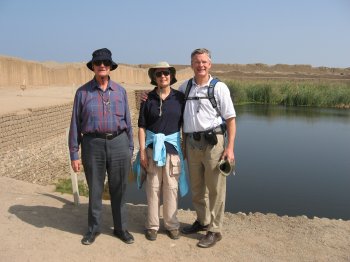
(208,186)
(162,180)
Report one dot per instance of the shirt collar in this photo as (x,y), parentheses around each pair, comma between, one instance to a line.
(154,92)
(95,84)
(207,84)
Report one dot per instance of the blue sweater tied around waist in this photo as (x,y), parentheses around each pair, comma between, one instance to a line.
(159,156)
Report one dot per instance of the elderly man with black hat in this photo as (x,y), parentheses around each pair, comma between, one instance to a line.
(160,121)
(101,124)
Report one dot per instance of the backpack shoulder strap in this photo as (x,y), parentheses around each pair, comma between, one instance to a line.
(188,89)
(211,96)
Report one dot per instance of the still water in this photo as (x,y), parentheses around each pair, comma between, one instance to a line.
(289,161)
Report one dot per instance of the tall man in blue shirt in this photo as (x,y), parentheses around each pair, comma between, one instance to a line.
(101,124)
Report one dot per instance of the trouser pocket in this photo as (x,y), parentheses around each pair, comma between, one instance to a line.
(175,165)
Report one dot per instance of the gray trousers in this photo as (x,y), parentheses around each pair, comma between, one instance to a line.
(98,157)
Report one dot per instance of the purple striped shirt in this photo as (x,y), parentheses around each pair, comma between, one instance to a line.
(97,111)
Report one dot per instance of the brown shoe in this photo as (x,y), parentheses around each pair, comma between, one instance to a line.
(209,239)
(173,234)
(151,234)
(194,228)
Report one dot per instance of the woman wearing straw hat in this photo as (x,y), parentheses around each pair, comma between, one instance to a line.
(159,124)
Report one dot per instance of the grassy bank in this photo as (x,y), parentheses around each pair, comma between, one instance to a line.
(291,93)
(65,186)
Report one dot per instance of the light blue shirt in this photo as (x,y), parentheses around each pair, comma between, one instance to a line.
(159,156)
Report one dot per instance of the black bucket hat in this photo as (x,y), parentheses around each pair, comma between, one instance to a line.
(102,54)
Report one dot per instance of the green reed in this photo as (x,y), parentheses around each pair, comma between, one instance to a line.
(291,93)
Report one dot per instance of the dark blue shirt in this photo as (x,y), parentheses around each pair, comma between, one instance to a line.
(170,120)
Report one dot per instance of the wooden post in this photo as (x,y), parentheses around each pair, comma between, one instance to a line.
(73,176)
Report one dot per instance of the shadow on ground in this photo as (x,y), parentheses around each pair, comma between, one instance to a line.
(73,219)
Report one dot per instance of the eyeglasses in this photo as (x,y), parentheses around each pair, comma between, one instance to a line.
(100,62)
(160,73)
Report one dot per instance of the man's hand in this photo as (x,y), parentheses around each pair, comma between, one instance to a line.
(144,96)
(76,165)
(229,155)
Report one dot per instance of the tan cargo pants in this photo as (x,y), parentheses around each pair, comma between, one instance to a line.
(162,182)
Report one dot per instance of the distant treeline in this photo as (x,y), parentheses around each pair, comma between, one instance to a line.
(291,93)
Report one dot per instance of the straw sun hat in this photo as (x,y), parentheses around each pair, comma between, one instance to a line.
(163,65)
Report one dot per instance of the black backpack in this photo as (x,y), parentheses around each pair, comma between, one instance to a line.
(210,96)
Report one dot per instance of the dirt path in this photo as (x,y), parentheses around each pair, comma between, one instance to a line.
(38,224)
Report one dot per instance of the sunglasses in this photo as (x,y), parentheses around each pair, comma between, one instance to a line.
(100,62)
(160,73)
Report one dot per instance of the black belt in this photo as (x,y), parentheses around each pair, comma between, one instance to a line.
(216,130)
(107,136)
(221,129)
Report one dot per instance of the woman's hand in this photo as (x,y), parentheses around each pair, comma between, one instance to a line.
(143,159)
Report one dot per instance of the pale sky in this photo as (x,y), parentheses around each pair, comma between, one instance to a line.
(314,32)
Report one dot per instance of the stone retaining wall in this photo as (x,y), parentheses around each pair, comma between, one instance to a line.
(33,144)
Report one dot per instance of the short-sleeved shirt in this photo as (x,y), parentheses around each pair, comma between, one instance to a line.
(200,114)
(170,120)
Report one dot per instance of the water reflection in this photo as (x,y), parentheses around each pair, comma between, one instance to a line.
(307,113)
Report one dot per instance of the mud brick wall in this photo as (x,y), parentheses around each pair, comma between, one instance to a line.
(16,72)
(33,125)
(134,113)
(138,94)
(33,143)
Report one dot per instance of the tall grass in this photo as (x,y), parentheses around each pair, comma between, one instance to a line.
(291,93)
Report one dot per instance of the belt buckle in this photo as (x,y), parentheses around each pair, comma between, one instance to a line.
(109,135)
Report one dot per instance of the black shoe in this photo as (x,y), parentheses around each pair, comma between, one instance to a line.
(89,238)
(124,236)
(194,228)
(209,239)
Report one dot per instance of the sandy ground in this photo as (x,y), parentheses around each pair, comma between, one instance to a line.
(14,99)
(38,224)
